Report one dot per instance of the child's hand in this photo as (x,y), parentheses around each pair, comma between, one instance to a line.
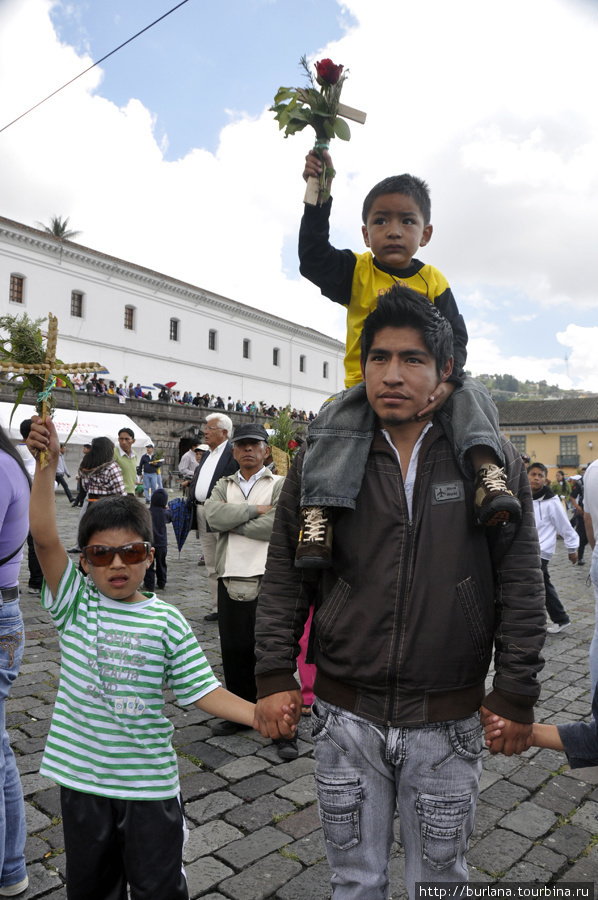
(313,165)
(442,392)
(493,726)
(43,437)
(289,715)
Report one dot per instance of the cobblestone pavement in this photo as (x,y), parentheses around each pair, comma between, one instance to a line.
(254,827)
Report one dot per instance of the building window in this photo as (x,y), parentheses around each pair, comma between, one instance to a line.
(275,356)
(17,283)
(519,442)
(212,339)
(130,318)
(302,364)
(568,455)
(174,329)
(246,348)
(325,370)
(77,304)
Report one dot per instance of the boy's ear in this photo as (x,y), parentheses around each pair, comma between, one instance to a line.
(150,558)
(447,370)
(84,564)
(426,236)
(366,237)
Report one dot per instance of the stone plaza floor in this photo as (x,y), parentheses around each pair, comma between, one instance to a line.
(254,827)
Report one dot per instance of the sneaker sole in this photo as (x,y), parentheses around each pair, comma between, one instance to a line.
(312,562)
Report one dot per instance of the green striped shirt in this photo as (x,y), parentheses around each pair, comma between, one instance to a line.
(108,734)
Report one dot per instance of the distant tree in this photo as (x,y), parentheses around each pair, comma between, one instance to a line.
(59,228)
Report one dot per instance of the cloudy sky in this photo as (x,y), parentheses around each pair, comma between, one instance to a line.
(167,155)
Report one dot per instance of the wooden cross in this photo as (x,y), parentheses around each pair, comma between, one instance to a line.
(312,191)
(48,370)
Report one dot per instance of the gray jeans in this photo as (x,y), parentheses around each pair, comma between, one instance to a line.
(339,440)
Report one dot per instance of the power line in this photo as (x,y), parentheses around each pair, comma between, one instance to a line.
(89,68)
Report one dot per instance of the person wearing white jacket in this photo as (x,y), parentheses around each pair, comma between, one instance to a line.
(551,519)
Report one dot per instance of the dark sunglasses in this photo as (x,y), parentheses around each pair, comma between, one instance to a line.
(99,555)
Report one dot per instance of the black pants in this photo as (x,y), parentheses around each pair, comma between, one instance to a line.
(554,607)
(236,623)
(62,482)
(36,576)
(157,571)
(579,524)
(110,843)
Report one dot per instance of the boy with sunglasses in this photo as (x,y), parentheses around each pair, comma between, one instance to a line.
(109,746)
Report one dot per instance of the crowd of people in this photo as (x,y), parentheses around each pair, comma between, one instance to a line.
(100,387)
(416,514)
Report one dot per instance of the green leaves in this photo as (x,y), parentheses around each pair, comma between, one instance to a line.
(294,108)
(342,130)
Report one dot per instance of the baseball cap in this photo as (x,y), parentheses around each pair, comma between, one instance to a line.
(250,433)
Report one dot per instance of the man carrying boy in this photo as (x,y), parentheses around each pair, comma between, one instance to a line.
(403,628)
(109,746)
(551,519)
(396,221)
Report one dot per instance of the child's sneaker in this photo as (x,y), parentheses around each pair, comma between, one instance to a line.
(315,539)
(494,503)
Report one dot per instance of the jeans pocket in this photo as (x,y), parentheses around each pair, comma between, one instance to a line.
(11,642)
(465,736)
(339,801)
(441,827)
(319,718)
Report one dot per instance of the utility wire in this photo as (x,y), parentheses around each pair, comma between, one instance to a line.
(57,91)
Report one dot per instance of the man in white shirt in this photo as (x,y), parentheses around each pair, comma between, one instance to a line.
(590,505)
(213,466)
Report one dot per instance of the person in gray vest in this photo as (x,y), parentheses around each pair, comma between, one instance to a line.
(240,510)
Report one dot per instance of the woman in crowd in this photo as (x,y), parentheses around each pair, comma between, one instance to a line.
(14,526)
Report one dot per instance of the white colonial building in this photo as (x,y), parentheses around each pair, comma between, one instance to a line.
(154,328)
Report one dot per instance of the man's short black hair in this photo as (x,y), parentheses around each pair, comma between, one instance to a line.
(25,428)
(129,431)
(115,512)
(405,184)
(402,307)
(537,466)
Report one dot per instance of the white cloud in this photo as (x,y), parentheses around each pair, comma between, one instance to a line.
(582,359)
(492,103)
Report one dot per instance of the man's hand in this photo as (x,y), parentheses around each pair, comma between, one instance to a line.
(573,557)
(263,508)
(313,166)
(515,737)
(271,717)
(442,392)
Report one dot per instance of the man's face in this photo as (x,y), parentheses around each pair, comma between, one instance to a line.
(250,455)
(215,434)
(125,442)
(400,374)
(537,479)
(395,229)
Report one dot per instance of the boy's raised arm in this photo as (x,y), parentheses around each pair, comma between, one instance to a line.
(42,508)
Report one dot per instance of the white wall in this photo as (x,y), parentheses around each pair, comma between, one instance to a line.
(53,269)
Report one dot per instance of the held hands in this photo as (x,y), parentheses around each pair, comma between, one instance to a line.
(505,736)
(277,715)
(43,437)
(442,392)
(573,557)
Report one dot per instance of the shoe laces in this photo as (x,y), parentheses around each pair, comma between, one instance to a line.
(494,478)
(314,523)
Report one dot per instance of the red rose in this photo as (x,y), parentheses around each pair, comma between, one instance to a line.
(292,445)
(327,73)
